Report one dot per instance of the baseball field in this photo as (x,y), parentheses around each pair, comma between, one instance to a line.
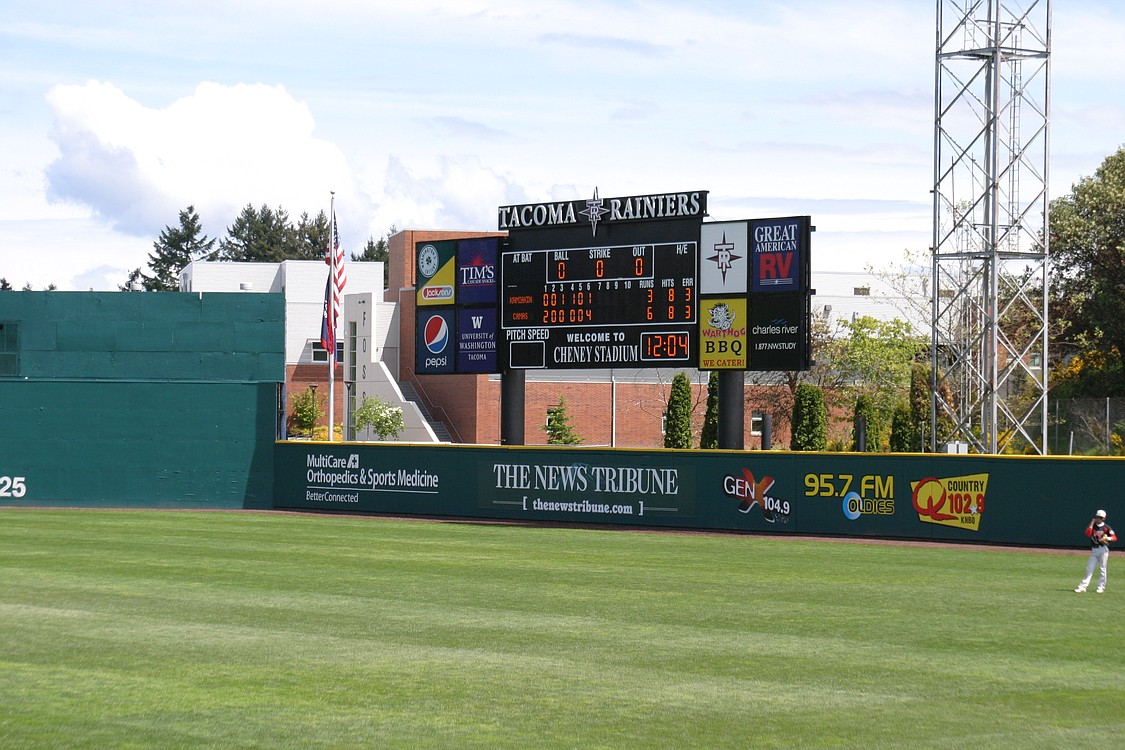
(176,629)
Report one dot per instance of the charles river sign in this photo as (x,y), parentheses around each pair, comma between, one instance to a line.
(564,214)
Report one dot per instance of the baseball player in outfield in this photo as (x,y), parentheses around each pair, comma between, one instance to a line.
(1100,536)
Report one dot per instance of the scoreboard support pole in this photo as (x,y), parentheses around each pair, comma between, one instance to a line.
(512,401)
(732,410)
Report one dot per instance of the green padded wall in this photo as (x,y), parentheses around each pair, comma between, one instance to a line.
(141,399)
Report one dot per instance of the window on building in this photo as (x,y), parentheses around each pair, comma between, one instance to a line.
(351,350)
(756,421)
(9,348)
(320,354)
(861,291)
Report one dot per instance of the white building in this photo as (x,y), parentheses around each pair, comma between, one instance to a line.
(303,282)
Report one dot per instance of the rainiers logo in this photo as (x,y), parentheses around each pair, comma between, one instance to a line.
(750,492)
(436,335)
(953,501)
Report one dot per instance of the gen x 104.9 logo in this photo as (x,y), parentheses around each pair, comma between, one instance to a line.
(13,486)
(750,492)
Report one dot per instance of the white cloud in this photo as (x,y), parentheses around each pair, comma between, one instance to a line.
(463,193)
(217,149)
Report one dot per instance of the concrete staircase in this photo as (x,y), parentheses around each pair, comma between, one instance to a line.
(410,394)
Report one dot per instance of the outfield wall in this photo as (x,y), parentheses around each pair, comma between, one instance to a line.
(980,499)
(148,400)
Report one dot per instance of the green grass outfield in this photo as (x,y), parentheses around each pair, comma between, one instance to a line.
(164,629)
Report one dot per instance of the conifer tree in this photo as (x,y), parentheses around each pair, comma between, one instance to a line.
(558,428)
(709,437)
(677,417)
(810,420)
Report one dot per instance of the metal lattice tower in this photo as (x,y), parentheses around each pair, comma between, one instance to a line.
(990,244)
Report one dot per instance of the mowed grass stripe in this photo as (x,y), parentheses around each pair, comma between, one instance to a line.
(180,629)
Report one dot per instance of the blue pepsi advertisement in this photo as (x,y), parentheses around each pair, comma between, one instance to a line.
(434,348)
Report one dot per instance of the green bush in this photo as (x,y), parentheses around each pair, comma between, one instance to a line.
(810,420)
(677,417)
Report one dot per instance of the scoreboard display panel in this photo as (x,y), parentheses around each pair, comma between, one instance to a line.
(629,305)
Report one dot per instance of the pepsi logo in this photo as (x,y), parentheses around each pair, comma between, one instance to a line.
(436,334)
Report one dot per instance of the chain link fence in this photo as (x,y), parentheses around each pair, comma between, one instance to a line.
(1087,427)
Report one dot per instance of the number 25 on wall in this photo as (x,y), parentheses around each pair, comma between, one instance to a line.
(12,487)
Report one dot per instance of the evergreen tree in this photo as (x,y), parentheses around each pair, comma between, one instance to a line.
(920,398)
(558,428)
(865,407)
(709,436)
(677,417)
(312,237)
(263,236)
(176,247)
(904,434)
(378,251)
(810,419)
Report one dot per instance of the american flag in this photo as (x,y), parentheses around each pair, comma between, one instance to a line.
(333,291)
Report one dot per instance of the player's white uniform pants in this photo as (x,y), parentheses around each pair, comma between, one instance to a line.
(1099,557)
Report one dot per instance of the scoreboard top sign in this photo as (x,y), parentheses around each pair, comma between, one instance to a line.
(595,211)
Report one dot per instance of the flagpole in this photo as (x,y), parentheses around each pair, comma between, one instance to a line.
(332,313)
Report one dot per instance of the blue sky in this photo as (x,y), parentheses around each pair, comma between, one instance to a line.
(431,113)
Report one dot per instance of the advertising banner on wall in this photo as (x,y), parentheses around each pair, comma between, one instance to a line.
(980,499)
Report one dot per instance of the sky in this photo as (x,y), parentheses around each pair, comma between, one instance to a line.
(429,114)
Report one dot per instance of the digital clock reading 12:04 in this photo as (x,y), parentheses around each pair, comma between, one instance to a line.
(624,285)
(673,346)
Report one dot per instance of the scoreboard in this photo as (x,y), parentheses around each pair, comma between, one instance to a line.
(601,306)
(632,282)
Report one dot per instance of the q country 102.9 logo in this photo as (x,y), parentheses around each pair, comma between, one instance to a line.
(952,501)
